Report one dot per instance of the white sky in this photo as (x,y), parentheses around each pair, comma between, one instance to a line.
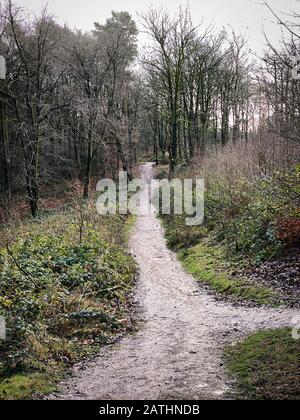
(247,16)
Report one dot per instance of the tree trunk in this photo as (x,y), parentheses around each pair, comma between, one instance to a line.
(5,159)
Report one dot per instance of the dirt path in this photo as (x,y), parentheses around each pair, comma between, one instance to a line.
(177,352)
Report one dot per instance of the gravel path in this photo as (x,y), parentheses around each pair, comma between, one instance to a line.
(177,352)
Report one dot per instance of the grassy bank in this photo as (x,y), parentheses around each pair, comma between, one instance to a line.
(267,365)
(206,262)
(66,282)
(210,263)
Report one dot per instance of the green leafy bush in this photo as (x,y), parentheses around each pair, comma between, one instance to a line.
(59,295)
(249,216)
(244,215)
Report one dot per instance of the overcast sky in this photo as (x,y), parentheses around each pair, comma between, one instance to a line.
(247,16)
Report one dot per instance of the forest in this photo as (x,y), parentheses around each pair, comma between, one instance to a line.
(196,102)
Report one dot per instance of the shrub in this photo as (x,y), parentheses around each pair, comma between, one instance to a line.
(252,209)
(57,293)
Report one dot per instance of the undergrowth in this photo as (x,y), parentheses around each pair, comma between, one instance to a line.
(65,288)
(254,219)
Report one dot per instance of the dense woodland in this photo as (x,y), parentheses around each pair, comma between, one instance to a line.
(75,104)
(69,103)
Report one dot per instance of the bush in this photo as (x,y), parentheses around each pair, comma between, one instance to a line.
(246,215)
(58,294)
(252,210)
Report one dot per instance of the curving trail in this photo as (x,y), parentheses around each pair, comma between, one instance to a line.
(177,352)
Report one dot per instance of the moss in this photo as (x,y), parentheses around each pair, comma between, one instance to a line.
(24,387)
(207,263)
(266,365)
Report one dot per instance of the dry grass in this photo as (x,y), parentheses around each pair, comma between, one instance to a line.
(259,157)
